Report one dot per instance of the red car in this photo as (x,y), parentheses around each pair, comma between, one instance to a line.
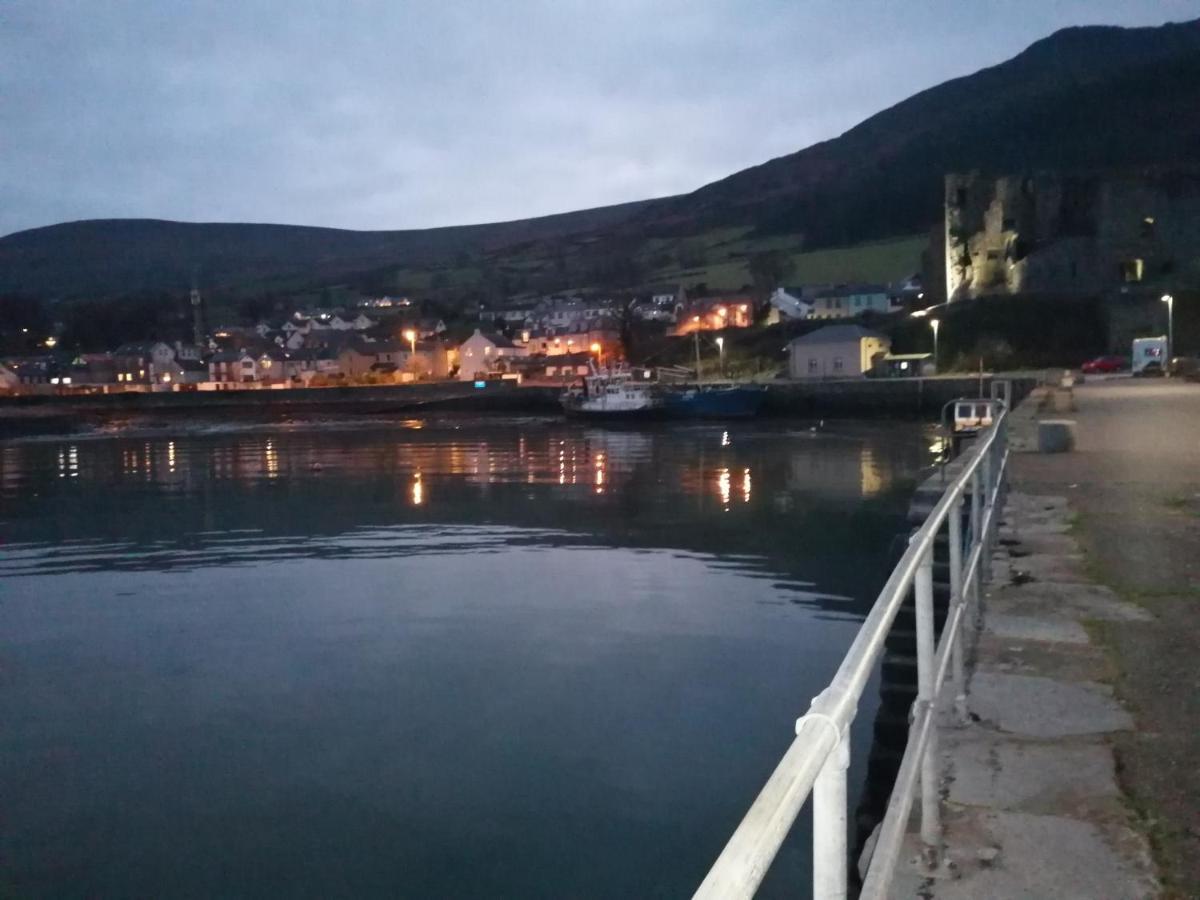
(1105,364)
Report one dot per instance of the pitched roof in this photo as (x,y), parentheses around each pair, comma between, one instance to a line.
(846,290)
(837,334)
(137,348)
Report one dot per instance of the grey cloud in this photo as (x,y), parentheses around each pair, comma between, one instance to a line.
(403,114)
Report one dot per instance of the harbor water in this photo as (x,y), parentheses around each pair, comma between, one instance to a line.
(436,657)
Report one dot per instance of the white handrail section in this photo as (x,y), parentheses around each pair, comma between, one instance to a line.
(815,763)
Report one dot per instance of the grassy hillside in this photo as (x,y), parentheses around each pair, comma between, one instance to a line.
(1090,97)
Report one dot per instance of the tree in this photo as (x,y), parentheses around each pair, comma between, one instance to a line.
(768,270)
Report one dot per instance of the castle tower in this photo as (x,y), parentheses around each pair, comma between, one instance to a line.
(198,328)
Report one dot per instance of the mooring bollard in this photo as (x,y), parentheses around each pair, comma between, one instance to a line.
(1056,436)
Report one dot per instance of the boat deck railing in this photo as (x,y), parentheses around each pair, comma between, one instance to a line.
(816,761)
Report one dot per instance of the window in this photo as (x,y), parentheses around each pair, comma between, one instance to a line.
(837,364)
(813,366)
(1131,270)
(960,197)
(993,254)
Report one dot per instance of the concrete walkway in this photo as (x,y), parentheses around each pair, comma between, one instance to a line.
(1031,801)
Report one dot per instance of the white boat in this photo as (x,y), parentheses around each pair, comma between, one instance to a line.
(611,394)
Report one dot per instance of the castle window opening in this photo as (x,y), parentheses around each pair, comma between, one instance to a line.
(1131,270)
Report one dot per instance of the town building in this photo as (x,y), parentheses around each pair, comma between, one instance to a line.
(907,365)
(10,381)
(1088,233)
(836,351)
(142,363)
(600,336)
(560,315)
(232,367)
(361,357)
(788,306)
(483,354)
(715,313)
(302,366)
(844,301)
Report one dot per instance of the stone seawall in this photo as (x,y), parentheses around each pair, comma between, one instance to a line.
(921,398)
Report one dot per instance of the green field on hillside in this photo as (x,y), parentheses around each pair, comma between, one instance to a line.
(879,261)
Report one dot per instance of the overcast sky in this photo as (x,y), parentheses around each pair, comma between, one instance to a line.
(397,114)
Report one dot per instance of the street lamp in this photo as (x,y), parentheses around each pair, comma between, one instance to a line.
(410,335)
(934,323)
(1170,301)
(721,350)
(598,350)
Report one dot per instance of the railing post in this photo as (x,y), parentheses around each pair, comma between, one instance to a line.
(985,555)
(926,656)
(957,609)
(830,854)
(976,524)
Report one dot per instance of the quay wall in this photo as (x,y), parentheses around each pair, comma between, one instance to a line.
(916,397)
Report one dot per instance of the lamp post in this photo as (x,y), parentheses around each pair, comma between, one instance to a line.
(721,351)
(934,323)
(599,351)
(410,335)
(1170,301)
(696,338)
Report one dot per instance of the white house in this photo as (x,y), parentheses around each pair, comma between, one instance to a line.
(836,351)
(479,354)
(9,380)
(847,300)
(790,307)
(143,363)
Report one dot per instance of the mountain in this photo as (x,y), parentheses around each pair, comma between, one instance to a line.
(1090,97)
(107,256)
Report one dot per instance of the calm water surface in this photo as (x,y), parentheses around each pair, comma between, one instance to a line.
(426,658)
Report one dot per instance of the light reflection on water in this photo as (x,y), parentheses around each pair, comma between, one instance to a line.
(431,658)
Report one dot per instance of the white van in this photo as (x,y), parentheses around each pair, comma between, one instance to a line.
(1150,355)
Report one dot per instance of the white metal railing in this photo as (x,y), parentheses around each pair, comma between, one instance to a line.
(818,757)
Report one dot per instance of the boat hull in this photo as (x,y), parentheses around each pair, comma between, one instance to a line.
(715,403)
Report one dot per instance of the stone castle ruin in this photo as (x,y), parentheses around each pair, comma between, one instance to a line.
(1092,234)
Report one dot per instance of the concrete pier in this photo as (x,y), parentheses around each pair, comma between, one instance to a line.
(1031,800)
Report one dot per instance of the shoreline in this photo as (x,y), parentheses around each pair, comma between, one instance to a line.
(41,415)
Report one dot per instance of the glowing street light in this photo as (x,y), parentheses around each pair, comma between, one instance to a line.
(1170,301)
(411,336)
(934,323)
(721,351)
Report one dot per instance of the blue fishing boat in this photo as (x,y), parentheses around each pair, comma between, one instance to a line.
(714,402)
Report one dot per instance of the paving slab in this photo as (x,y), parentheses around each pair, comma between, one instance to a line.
(1041,707)
(1033,856)
(1082,601)
(1036,628)
(1030,776)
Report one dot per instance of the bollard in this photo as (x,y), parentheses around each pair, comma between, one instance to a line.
(1056,436)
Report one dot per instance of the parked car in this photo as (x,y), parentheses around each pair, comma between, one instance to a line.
(1187,367)
(1102,364)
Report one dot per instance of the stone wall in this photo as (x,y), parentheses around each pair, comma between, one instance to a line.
(1088,233)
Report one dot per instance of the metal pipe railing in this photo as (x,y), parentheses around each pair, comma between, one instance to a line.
(816,761)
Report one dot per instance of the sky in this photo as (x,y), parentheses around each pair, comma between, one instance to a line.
(379,114)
